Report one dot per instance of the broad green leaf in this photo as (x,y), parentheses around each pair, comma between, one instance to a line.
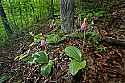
(75,66)
(46,69)
(73,52)
(40,57)
(55,38)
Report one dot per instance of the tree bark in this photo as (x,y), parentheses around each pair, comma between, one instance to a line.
(67,15)
(4,19)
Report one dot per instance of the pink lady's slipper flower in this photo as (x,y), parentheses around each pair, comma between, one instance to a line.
(42,43)
(84,25)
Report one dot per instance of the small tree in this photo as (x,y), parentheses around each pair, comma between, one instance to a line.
(4,19)
(67,15)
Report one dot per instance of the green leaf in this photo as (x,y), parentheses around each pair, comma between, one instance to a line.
(101,49)
(40,57)
(3,78)
(28,59)
(37,38)
(93,38)
(52,38)
(55,38)
(75,66)
(100,13)
(46,69)
(73,52)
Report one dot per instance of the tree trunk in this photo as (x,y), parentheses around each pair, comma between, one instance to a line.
(67,15)
(4,19)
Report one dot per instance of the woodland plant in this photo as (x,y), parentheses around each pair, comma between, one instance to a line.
(93,38)
(39,58)
(55,38)
(89,14)
(42,59)
(77,62)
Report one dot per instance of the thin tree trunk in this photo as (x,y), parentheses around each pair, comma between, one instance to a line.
(67,15)
(4,20)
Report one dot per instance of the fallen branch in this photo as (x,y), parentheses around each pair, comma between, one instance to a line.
(114,41)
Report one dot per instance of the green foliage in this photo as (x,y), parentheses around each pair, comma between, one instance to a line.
(98,12)
(3,78)
(28,59)
(101,49)
(22,14)
(57,7)
(55,37)
(46,64)
(37,38)
(47,68)
(25,12)
(58,22)
(75,66)
(4,40)
(73,52)
(76,63)
(93,38)
(40,57)
(79,35)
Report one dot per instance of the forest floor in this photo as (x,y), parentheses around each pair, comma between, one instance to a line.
(108,67)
